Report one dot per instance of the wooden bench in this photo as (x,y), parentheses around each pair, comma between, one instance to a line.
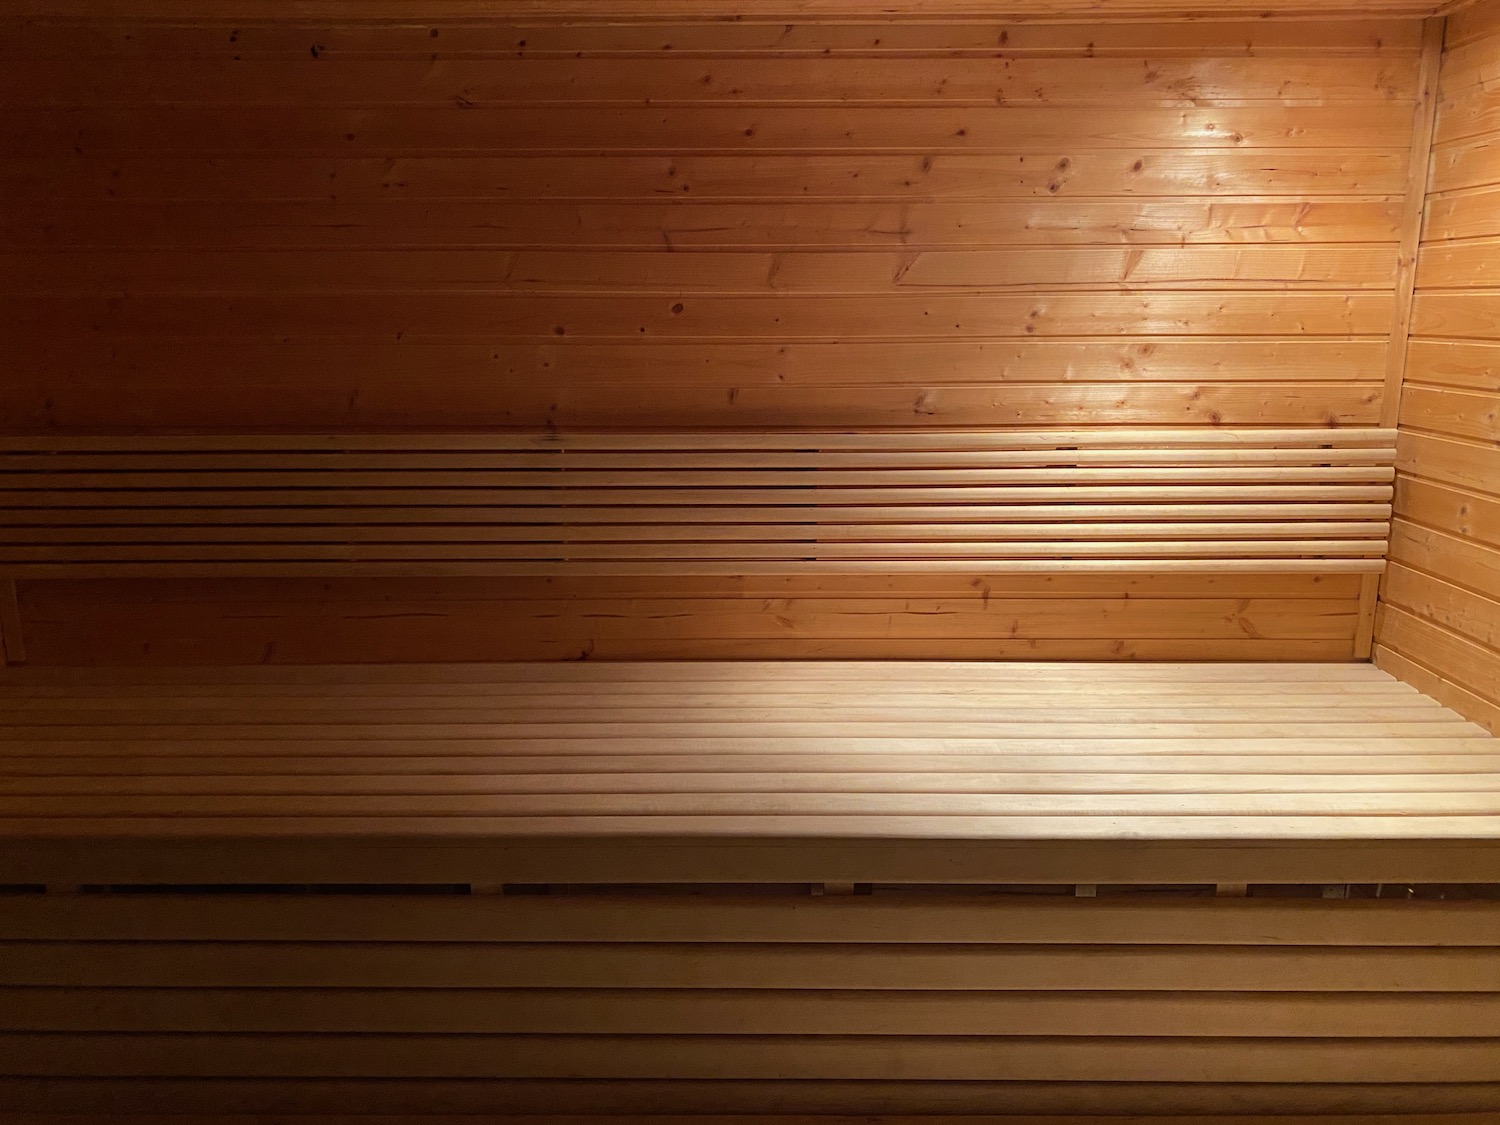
(927,783)
(1312,500)
(742,772)
(933,783)
(774,1004)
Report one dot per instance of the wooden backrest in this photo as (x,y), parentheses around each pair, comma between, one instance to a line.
(698,503)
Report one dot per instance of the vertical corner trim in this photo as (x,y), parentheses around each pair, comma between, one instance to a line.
(10,624)
(1364,629)
(1417,179)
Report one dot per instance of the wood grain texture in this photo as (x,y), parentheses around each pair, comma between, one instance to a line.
(534,217)
(602,1003)
(1406,278)
(683,504)
(1214,543)
(358,183)
(282,34)
(1412,218)
(237,11)
(1083,617)
(637,752)
(1441,597)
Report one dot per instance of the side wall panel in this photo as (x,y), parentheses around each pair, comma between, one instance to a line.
(1439,623)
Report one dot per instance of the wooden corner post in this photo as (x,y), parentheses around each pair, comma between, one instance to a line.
(11,648)
(1424,124)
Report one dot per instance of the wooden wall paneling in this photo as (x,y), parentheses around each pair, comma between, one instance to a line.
(1176,165)
(1441,596)
(1461,699)
(63,33)
(532,76)
(1135,616)
(672,11)
(240,217)
(1472,23)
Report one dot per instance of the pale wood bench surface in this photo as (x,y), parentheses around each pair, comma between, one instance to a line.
(778,760)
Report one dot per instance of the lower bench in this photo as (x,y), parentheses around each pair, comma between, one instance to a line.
(897,1002)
